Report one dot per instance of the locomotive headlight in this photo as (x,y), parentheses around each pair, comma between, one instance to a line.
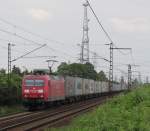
(26,91)
(40,91)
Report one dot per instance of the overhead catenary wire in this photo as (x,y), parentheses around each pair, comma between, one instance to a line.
(28,53)
(32,33)
(112,45)
(19,36)
(62,52)
(102,27)
(26,39)
(14,41)
(99,57)
(39,36)
(99,22)
(31,57)
(6,48)
(36,43)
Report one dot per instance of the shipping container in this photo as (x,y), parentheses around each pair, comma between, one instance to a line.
(86,87)
(100,87)
(116,87)
(105,87)
(78,86)
(69,86)
(96,87)
(124,86)
(91,86)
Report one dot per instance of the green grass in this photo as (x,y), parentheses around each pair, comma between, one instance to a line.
(8,110)
(126,112)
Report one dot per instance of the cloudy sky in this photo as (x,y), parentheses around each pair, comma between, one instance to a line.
(58,23)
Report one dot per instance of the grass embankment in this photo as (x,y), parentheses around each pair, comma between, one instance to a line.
(126,112)
(8,110)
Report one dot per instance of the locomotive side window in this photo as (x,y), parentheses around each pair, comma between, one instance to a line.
(29,82)
(39,82)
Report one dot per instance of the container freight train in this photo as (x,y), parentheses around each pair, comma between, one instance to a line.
(44,89)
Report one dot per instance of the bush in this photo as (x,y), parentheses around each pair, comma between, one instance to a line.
(11,95)
(127,112)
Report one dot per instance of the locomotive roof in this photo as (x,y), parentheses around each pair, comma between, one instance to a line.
(41,71)
(36,76)
(43,76)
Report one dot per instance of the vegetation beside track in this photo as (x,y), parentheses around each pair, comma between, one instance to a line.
(10,97)
(9,110)
(126,112)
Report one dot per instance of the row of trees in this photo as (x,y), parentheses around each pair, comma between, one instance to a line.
(12,94)
(15,70)
(76,69)
(81,70)
(16,77)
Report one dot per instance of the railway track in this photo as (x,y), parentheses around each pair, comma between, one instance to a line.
(40,120)
(8,117)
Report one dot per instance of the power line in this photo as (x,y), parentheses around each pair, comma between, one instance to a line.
(32,33)
(28,53)
(40,57)
(99,57)
(66,54)
(6,48)
(112,45)
(107,35)
(102,27)
(39,36)
(14,41)
(19,36)
(120,50)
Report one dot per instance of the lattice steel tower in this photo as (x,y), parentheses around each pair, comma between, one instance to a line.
(111,67)
(129,77)
(85,40)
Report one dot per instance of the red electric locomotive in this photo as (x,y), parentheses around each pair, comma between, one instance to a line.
(42,89)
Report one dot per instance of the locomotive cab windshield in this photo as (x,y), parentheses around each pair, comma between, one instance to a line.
(35,83)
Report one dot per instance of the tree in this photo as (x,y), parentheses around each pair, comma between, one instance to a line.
(3,78)
(16,70)
(78,70)
(135,82)
(102,76)
(2,71)
(62,69)
(90,71)
(25,72)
